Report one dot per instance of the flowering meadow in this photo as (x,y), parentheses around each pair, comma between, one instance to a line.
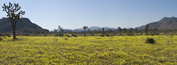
(88,50)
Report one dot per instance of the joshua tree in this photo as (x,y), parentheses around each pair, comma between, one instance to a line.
(136,30)
(146,28)
(89,31)
(125,30)
(131,32)
(55,30)
(59,27)
(13,14)
(85,27)
(155,30)
(103,31)
(62,31)
(119,29)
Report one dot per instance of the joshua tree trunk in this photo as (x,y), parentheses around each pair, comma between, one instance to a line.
(84,32)
(13,26)
(14,37)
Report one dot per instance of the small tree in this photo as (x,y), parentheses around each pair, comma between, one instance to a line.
(119,29)
(103,31)
(55,31)
(155,30)
(85,27)
(89,31)
(146,28)
(13,14)
(125,30)
(131,32)
(59,27)
(136,31)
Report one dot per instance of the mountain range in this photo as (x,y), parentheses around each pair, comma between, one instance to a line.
(163,24)
(6,26)
(89,28)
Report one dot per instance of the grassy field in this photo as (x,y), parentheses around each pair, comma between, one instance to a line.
(91,50)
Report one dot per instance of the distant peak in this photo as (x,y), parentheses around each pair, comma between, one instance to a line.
(164,18)
(173,17)
(169,17)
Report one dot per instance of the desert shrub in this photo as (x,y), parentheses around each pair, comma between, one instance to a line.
(157,34)
(45,34)
(114,34)
(128,34)
(171,34)
(107,35)
(92,34)
(8,35)
(131,34)
(152,34)
(120,34)
(74,35)
(102,35)
(68,36)
(27,34)
(18,34)
(1,38)
(59,34)
(150,40)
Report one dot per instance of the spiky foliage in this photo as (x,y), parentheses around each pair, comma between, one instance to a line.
(59,27)
(85,27)
(13,14)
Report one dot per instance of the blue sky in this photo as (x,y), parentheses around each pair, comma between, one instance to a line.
(71,14)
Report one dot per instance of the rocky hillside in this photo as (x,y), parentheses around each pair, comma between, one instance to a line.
(6,27)
(163,24)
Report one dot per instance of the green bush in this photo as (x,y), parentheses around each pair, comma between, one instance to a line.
(45,34)
(1,39)
(102,35)
(107,35)
(18,34)
(27,34)
(150,40)
(157,34)
(92,34)
(68,36)
(59,34)
(8,35)
(74,35)
(152,34)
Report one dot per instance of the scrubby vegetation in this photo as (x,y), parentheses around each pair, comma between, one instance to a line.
(93,50)
(1,38)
